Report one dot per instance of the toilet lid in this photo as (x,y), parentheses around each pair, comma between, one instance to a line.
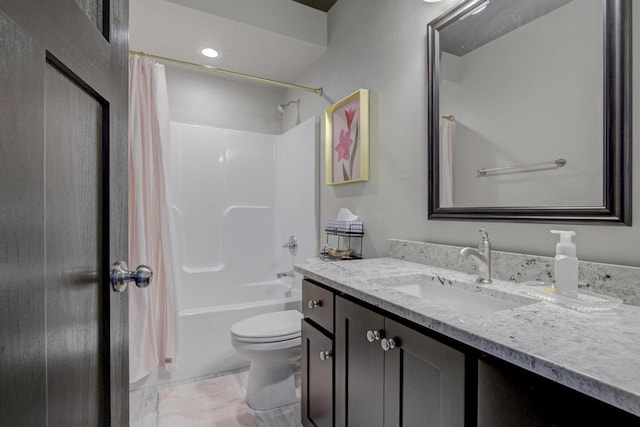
(276,326)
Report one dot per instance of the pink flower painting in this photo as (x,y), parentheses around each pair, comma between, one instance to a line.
(345,144)
(346,130)
(347,139)
(350,114)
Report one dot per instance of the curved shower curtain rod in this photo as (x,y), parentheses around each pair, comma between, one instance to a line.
(317,91)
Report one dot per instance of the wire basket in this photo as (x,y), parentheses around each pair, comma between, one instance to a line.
(346,237)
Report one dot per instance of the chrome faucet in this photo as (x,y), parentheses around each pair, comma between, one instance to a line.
(292,245)
(285,274)
(482,255)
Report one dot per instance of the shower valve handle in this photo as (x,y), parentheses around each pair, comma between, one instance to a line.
(292,245)
(120,276)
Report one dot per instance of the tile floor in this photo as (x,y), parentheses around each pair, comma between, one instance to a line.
(144,405)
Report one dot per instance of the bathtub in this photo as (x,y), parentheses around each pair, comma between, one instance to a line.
(204,343)
(227,238)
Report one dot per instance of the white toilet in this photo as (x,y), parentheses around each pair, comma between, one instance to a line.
(272,342)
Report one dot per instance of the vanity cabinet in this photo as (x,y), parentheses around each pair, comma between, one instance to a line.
(359,366)
(510,396)
(365,367)
(424,380)
(388,374)
(317,305)
(317,377)
(317,351)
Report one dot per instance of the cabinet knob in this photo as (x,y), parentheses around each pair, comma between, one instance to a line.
(373,336)
(325,355)
(314,303)
(389,344)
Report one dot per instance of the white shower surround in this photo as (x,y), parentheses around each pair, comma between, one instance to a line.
(235,198)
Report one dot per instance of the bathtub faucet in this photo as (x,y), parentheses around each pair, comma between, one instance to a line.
(286,274)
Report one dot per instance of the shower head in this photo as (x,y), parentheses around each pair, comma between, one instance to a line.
(283,107)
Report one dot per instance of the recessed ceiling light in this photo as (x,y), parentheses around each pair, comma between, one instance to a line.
(210,52)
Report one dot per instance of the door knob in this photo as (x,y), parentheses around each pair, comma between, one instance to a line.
(120,276)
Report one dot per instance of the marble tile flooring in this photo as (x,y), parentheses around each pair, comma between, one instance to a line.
(143,405)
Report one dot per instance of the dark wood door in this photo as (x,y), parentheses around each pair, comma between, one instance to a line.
(317,377)
(63,169)
(424,381)
(359,366)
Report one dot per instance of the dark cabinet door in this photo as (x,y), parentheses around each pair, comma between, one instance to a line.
(511,396)
(424,380)
(317,377)
(359,366)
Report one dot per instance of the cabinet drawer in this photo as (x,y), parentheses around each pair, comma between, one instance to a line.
(317,305)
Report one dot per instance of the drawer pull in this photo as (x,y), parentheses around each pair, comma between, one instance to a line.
(373,336)
(314,303)
(389,344)
(325,355)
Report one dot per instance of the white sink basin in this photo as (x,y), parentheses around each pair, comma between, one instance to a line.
(467,298)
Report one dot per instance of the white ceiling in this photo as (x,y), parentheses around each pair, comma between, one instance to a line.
(276,39)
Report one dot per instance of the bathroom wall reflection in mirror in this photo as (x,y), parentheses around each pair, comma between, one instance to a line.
(533,93)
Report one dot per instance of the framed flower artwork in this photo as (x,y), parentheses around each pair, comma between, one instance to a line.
(347,139)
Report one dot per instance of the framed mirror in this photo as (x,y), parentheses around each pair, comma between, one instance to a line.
(529,111)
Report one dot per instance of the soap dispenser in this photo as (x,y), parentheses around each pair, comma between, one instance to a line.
(566,265)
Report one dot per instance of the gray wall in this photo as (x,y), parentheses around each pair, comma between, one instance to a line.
(381,45)
(199,97)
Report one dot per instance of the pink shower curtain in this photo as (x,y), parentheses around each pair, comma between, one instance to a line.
(152,311)
(447,127)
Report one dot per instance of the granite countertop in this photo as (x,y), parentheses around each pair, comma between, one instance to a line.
(596,353)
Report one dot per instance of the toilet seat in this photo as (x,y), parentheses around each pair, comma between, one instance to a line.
(270,327)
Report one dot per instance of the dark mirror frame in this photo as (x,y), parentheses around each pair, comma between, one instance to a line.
(616,209)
